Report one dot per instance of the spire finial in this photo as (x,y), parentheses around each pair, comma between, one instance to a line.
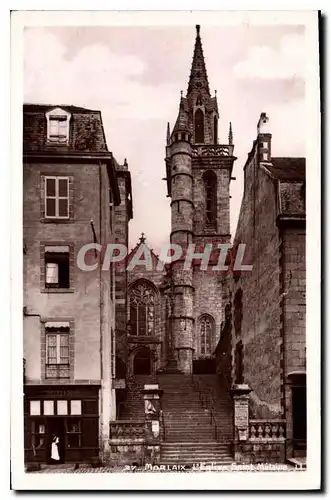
(142,238)
(230,134)
(125,162)
(181,93)
(197,26)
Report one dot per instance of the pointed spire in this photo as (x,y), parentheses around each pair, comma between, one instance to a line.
(230,134)
(198,76)
(168,134)
(181,124)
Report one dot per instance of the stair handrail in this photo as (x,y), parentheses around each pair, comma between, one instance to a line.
(207,402)
(163,425)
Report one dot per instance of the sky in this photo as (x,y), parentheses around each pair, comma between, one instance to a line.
(134,76)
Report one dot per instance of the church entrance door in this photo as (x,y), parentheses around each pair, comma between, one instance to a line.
(142,364)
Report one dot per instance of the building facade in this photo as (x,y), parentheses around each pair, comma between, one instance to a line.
(70,193)
(268,302)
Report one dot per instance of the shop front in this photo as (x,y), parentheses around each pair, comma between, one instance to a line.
(67,416)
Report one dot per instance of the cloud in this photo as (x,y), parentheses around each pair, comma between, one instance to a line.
(96,77)
(135,79)
(265,62)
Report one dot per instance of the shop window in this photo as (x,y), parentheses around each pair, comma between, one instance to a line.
(74,433)
(38,438)
(90,407)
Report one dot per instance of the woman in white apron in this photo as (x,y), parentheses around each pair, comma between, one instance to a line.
(55,450)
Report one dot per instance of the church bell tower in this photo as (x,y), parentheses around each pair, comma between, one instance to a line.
(198,172)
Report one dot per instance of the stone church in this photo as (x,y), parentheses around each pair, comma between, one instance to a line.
(173,319)
(187,329)
(168,363)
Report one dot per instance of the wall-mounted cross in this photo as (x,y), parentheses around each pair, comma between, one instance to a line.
(142,238)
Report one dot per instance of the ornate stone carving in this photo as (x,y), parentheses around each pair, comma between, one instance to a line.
(211,150)
(266,430)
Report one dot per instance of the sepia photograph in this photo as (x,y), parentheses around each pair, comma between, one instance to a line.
(162,303)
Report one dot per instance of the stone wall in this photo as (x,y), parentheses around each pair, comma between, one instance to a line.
(255,453)
(121,279)
(260,314)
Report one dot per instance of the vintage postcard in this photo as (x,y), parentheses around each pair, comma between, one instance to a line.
(165,276)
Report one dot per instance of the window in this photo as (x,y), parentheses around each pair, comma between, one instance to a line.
(57,197)
(74,433)
(62,407)
(38,437)
(265,156)
(215,130)
(206,331)
(142,308)
(58,126)
(57,352)
(199,126)
(57,267)
(210,187)
(76,407)
(48,407)
(34,407)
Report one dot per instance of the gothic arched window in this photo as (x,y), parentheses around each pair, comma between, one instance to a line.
(210,185)
(215,130)
(142,308)
(206,327)
(199,127)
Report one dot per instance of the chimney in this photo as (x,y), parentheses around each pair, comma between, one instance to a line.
(264,138)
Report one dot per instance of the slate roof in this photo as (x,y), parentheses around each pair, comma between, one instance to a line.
(288,169)
(86,133)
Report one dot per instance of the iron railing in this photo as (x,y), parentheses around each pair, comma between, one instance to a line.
(163,425)
(207,403)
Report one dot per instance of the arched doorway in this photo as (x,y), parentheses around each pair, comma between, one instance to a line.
(142,363)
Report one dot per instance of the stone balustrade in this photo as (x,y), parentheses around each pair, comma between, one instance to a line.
(212,150)
(267,430)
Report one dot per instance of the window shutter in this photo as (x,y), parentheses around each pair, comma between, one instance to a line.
(52,273)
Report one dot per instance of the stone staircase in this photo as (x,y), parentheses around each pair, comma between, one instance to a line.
(133,407)
(211,387)
(191,434)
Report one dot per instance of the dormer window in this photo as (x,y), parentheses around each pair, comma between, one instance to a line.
(58,125)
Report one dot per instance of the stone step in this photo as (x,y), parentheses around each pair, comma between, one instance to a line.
(196,458)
